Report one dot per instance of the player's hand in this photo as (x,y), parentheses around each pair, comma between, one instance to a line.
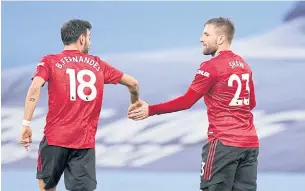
(26,136)
(134,106)
(138,111)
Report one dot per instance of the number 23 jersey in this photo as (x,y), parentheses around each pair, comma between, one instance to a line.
(226,84)
(75,91)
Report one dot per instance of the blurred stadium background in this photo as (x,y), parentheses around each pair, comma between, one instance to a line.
(158,43)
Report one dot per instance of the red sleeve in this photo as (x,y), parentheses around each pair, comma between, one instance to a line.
(252,94)
(43,69)
(181,103)
(204,78)
(111,74)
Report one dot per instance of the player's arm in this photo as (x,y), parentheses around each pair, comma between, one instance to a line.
(132,84)
(203,81)
(178,104)
(32,97)
(114,76)
(42,75)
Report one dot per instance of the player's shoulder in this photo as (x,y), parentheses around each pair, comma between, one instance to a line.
(206,64)
(218,60)
(104,63)
(101,61)
(207,69)
(50,56)
(93,56)
(228,61)
(222,58)
(48,59)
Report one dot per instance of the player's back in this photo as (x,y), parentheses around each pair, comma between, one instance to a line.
(75,89)
(230,102)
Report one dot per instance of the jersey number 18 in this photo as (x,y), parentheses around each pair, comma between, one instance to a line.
(82,84)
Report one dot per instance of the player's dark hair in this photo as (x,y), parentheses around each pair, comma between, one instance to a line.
(71,30)
(226,24)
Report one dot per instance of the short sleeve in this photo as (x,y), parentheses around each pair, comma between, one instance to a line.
(204,79)
(43,69)
(111,74)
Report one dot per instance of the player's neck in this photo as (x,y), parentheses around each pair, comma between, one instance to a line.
(224,48)
(71,47)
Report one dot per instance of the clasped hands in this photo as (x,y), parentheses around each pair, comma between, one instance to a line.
(138,111)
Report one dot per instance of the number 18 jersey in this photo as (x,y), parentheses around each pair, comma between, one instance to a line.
(226,84)
(75,91)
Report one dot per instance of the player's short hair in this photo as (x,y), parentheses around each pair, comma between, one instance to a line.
(226,24)
(71,30)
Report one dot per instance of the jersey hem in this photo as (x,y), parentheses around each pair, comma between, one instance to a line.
(69,146)
(238,144)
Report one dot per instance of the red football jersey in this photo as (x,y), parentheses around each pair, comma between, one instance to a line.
(75,89)
(226,83)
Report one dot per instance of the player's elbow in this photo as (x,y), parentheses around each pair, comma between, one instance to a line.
(130,82)
(133,85)
(34,89)
(188,106)
(189,99)
(33,93)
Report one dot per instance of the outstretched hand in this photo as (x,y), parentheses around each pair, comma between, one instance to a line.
(138,111)
(26,137)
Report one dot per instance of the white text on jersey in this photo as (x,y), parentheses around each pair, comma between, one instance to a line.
(66,60)
(203,73)
(235,64)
